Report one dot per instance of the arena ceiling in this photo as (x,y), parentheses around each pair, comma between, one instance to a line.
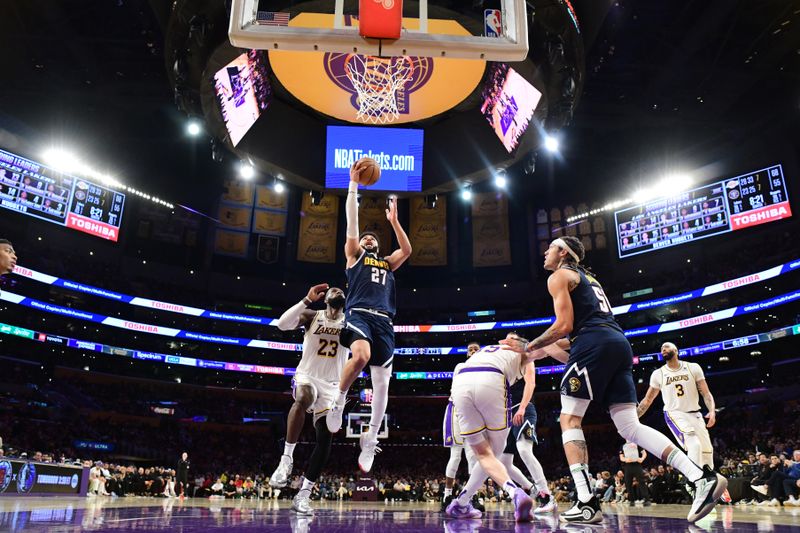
(664,81)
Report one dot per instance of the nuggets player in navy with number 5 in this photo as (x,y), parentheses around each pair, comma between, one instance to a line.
(370,309)
(600,367)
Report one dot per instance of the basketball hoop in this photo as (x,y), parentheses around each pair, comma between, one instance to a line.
(377,80)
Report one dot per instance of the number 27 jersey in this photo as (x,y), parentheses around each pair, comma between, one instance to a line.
(370,285)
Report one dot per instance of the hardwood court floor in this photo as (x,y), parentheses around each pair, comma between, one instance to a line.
(72,514)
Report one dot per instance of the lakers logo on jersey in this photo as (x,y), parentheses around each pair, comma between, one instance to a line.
(673,379)
(325,330)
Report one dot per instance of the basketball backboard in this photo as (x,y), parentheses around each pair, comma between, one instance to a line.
(358,423)
(502,36)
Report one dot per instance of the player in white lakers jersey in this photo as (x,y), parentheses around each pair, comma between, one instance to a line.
(482,403)
(315,384)
(451,433)
(681,384)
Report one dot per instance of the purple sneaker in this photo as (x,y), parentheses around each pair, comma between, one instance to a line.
(454,510)
(522,506)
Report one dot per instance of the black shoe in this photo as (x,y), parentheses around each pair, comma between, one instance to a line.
(708,490)
(583,513)
(446,501)
(477,503)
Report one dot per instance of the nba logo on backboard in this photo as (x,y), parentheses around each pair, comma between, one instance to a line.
(366,395)
(494,22)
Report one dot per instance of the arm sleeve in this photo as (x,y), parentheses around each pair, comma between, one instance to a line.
(351,210)
(290,319)
(655,379)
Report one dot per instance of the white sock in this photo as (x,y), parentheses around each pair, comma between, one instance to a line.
(305,490)
(448,492)
(509,486)
(342,398)
(288,449)
(515,473)
(580,473)
(681,461)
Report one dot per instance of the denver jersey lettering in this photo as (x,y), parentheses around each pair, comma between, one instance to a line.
(370,283)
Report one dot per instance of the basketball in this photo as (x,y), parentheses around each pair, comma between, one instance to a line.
(370,172)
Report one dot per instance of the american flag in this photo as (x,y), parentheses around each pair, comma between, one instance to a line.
(271,18)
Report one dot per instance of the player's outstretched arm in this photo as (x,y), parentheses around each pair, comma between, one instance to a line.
(527,393)
(645,404)
(558,286)
(299,315)
(400,255)
(352,250)
(708,399)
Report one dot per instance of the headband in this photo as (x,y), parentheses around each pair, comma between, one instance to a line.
(563,245)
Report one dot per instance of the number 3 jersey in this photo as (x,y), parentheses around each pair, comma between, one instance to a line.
(589,304)
(323,356)
(370,285)
(679,387)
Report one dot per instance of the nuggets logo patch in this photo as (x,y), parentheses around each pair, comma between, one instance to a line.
(574,384)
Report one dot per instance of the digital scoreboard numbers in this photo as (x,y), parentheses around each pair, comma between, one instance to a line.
(727,205)
(42,192)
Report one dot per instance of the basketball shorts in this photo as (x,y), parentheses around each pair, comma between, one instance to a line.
(325,392)
(682,424)
(600,367)
(375,329)
(481,399)
(451,430)
(527,430)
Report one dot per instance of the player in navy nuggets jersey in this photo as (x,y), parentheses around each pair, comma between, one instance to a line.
(599,367)
(368,329)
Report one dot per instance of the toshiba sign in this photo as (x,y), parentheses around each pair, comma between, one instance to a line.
(761,216)
(92,227)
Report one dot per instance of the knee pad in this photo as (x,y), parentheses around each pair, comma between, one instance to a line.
(572,435)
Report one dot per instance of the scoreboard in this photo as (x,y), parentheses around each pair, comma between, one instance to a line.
(728,205)
(39,191)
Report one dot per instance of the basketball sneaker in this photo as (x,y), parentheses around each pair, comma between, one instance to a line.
(333,418)
(583,513)
(280,477)
(454,510)
(522,506)
(708,490)
(547,504)
(369,447)
(302,505)
(446,501)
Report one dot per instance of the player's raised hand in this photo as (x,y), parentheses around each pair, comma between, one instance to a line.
(391,213)
(514,344)
(316,292)
(355,170)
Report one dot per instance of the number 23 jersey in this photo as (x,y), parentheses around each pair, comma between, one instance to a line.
(323,356)
(370,284)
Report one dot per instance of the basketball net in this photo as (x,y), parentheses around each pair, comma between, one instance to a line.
(377,80)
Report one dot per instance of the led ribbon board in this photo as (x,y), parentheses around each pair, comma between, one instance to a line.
(419,328)
(7,329)
(286,346)
(42,192)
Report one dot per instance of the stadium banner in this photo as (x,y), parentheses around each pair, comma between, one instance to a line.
(316,242)
(234,217)
(490,244)
(428,232)
(267,222)
(27,478)
(723,286)
(233,243)
(372,217)
(238,192)
(267,198)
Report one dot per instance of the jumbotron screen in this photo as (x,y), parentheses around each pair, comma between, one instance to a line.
(728,205)
(39,191)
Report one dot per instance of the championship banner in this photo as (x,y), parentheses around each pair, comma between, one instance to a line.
(238,192)
(267,198)
(234,217)
(428,232)
(490,245)
(372,217)
(233,243)
(316,242)
(269,222)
